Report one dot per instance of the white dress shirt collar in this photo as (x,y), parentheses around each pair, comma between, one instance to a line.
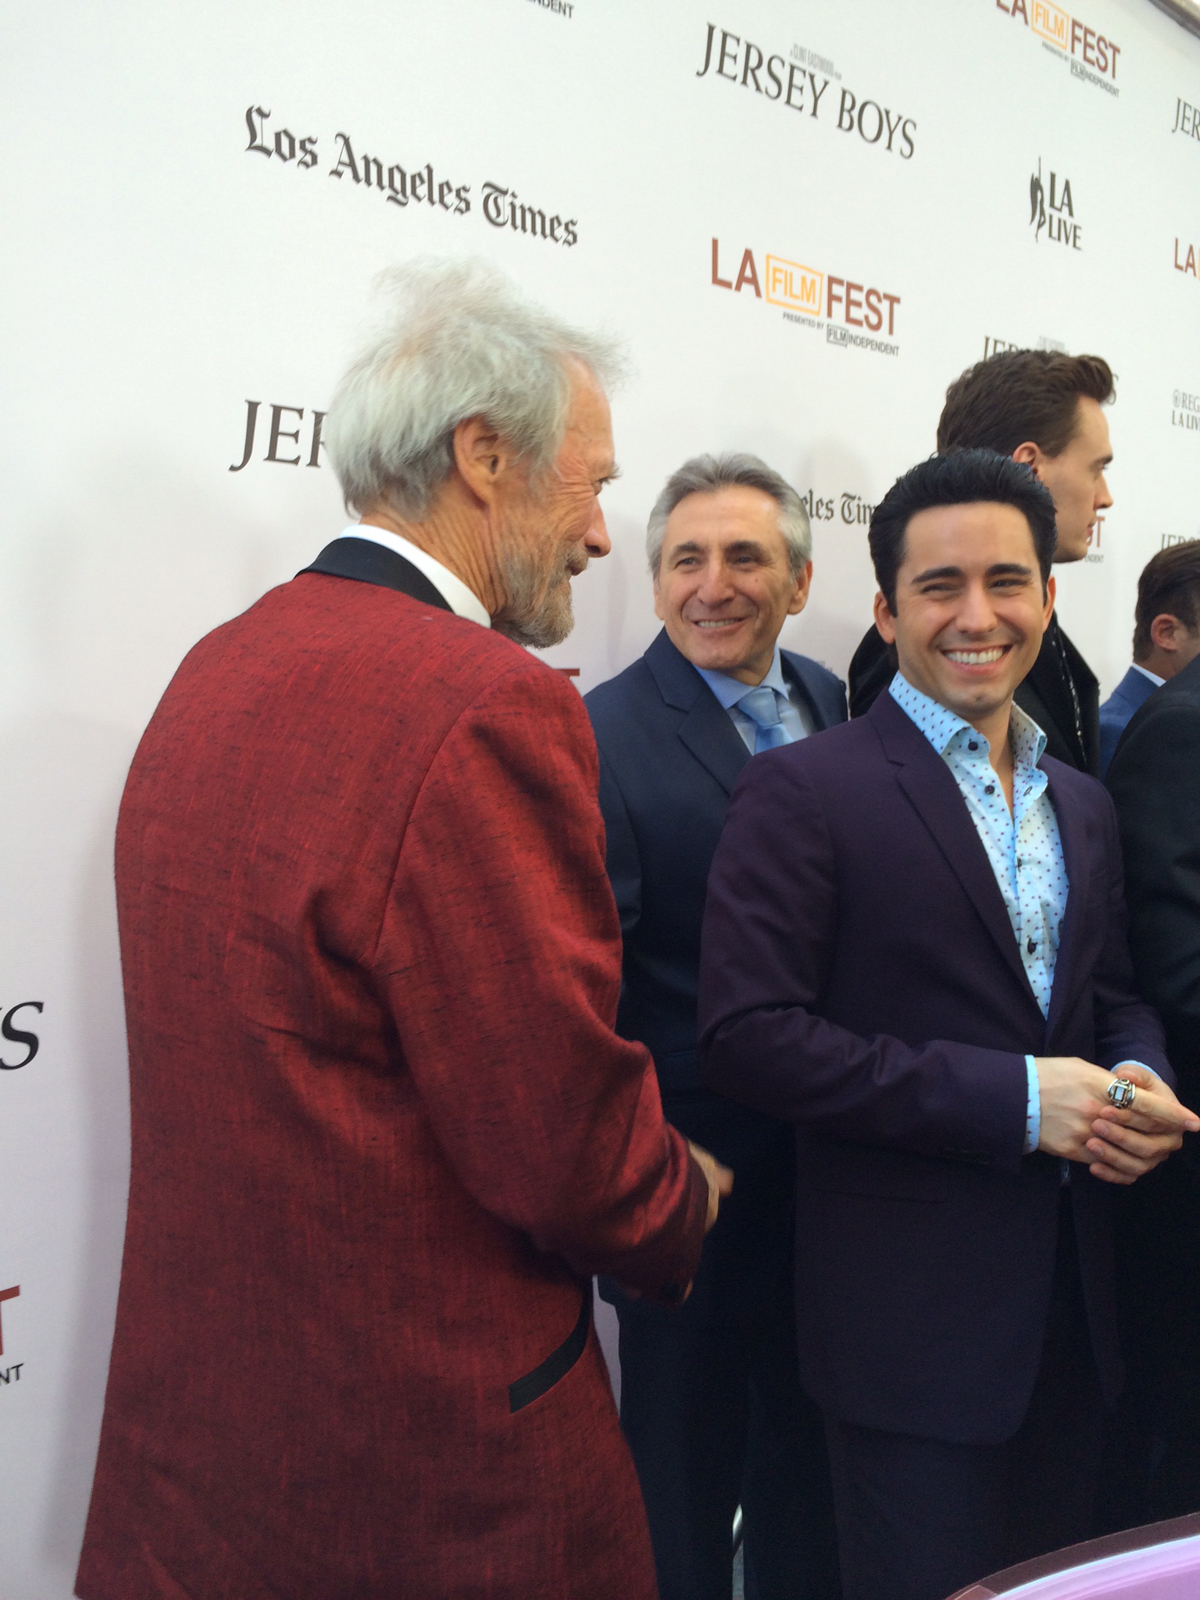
(462,601)
(1146,673)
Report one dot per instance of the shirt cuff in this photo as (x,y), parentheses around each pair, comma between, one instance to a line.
(1033,1106)
(1142,1064)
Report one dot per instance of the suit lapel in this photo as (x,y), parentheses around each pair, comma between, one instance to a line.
(796,681)
(931,790)
(706,728)
(368,562)
(1070,834)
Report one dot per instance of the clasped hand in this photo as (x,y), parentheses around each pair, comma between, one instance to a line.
(1079,1123)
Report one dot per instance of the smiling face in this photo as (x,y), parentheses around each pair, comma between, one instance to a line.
(1075,479)
(970,607)
(725,584)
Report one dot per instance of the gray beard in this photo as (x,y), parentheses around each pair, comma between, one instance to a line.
(533,615)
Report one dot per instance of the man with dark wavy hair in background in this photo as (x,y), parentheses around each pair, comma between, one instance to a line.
(1044,408)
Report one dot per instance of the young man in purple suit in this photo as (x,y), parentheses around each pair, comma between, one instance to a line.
(914,951)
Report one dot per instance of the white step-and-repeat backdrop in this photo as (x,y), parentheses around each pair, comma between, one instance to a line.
(805,218)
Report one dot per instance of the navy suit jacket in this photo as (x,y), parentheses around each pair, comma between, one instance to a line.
(860,978)
(1129,696)
(669,757)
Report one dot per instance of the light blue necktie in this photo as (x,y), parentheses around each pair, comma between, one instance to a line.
(761,705)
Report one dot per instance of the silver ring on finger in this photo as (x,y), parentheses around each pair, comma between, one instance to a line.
(1121,1093)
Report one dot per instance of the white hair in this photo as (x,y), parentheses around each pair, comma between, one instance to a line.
(737,469)
(455,340)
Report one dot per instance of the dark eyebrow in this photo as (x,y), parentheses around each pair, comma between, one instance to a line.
(744,547)
(1000,570)
(936,572)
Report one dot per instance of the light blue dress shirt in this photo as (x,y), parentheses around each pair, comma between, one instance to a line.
(1023,849)
(793,714)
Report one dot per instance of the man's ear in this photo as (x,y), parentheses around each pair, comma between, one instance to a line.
(484,459)
(1165,631)
(1048,608)
(658,603)
(884,620)
(1029,455)
(800,594)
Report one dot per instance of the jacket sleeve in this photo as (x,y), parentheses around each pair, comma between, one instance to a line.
(622,861)
(770,930)
(1156,788)
(499,956)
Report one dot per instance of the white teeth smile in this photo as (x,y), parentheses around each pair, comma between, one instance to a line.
(721,622)
(975,658)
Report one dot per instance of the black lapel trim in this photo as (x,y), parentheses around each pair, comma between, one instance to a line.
(368,562)
(557,1364)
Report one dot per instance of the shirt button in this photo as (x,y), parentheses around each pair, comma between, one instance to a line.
(974,745)
(991,789)
(1020,863)
(1031,946)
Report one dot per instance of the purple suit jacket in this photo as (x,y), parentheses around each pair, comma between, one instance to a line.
(860,978)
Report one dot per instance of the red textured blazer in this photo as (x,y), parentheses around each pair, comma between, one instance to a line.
(382,1127)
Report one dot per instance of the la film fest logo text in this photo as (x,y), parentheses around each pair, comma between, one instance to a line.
(813,298)
(1053,210)
(1185,411)
(793,86)
(11,1373)
(1095,552)
(1093,57)
(1187,120)
(1186,262)
(418,183)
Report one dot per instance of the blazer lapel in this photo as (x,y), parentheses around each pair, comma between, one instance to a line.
(1077,868)
(706,729)
(368,562)
(931,790)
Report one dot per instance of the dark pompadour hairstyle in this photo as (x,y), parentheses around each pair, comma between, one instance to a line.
(1170,584)
(964,477)
(1021,395)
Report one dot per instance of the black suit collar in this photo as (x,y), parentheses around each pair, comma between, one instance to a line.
(369,562)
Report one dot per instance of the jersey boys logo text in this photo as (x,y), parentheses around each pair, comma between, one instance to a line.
(791,86)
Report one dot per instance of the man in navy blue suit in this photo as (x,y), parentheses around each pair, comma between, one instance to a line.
(914,951)
(1166,637)
(710,1397)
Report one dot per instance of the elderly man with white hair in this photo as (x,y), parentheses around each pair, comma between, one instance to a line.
(383,1128)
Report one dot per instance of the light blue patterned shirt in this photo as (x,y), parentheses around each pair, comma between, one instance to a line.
(1024,849)
(793,713)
